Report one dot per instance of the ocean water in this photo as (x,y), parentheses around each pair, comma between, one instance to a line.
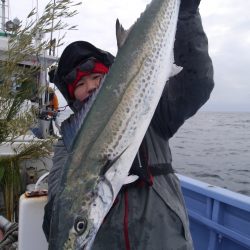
(213,147)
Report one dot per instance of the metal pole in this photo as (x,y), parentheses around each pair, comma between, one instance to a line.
(51,48)
(3,15)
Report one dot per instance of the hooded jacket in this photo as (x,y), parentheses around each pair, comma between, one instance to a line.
(73,55)
(152,215)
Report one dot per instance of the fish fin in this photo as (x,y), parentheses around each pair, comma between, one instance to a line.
(175,70)
(130,179)
(121,34)
(109,163)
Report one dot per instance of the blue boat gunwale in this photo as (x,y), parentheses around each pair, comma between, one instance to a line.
(220,194)
(218,216)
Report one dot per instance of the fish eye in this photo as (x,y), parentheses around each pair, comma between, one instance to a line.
(80,225)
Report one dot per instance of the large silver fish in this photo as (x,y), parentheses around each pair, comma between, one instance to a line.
(105,143)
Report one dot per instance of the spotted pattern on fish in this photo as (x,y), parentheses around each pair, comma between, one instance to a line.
(114,127)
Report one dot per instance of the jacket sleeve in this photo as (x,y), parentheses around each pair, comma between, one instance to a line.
(186,92)
(59,159)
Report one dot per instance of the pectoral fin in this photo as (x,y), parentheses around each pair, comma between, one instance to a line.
(130,179)
(109,163)
(175,70)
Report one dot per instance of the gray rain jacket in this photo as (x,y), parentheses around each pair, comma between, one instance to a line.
(151,215)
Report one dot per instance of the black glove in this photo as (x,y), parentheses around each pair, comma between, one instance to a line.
(190,6)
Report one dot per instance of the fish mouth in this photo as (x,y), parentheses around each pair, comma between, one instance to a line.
(81,244)
(84,246)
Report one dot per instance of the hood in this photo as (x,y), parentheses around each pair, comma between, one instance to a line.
(74,54)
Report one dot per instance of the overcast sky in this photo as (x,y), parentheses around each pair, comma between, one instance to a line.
(226,22)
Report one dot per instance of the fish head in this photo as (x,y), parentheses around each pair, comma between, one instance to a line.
(80,234)
(77,216)
(73,225)
(86,222)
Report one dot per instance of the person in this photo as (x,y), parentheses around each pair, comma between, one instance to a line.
(53,101)
(8,234)
(150,213)
(52,109)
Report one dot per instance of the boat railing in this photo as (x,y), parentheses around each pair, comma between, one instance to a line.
(219,218)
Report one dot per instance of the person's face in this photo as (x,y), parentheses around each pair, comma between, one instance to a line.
(87,85)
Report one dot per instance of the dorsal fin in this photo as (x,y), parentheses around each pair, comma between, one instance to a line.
(121,34)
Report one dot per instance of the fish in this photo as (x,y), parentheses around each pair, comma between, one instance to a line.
(104,138)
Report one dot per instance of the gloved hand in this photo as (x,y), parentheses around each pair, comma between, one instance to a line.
(9,242)
(190,6)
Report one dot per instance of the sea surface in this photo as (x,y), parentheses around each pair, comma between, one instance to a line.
(213,147)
